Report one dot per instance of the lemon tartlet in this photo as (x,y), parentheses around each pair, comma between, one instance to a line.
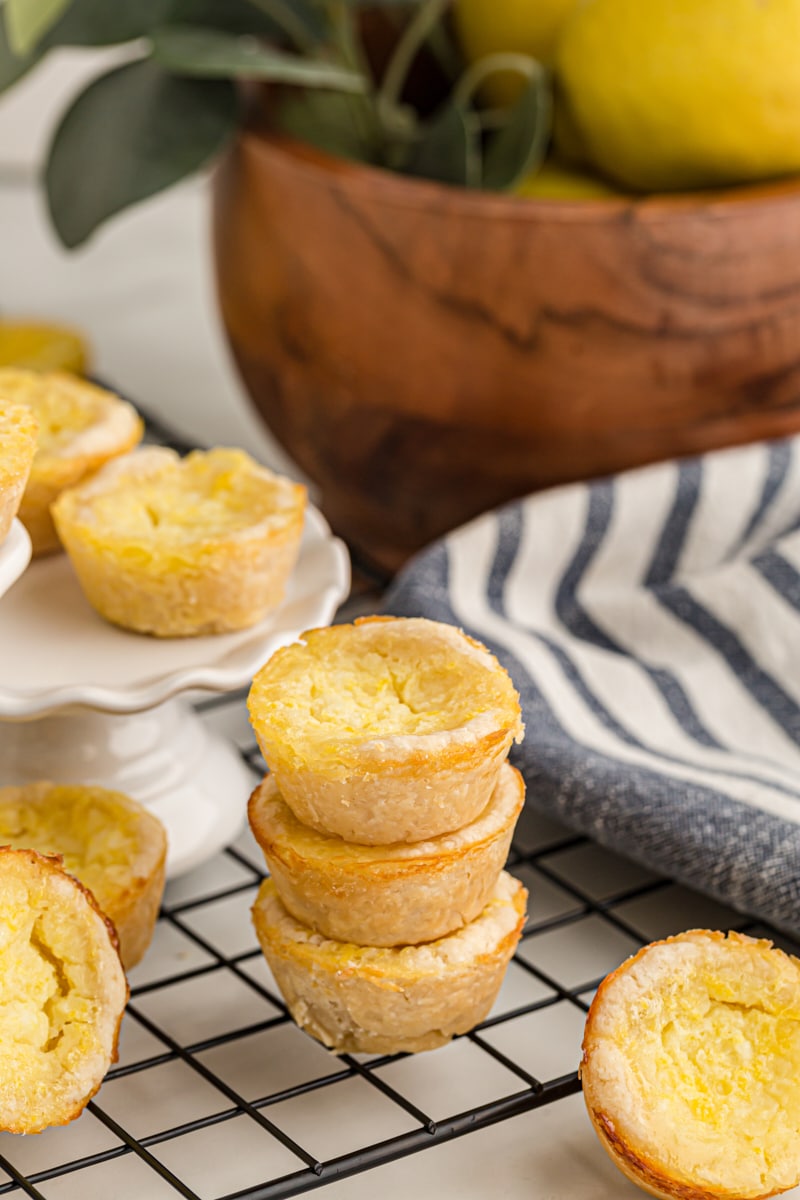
(372,1000)
(81,426)
(691,1067)
(34,346)
(387,730)
(393,895)
(62,993)
(113,845)
(180,547)
(18,429)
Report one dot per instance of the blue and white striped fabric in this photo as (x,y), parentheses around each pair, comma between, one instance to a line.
(651,622)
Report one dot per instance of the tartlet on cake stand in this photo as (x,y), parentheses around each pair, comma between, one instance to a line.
(82,701)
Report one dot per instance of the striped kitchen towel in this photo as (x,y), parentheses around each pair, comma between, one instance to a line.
(651,622)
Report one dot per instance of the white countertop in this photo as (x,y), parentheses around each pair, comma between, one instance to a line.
(143,293)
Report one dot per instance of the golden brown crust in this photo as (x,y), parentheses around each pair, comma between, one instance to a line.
(687,1045)
(62,993)
(392,895)
(108,841)
(183,547)
(81,427)
(360,999)
(387,730)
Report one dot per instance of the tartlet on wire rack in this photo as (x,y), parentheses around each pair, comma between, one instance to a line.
(108,841)
(383,1001)
(18,430)
(62,993)
(180,547)
(691,1067)
(387,730)
(80,427)
(386,895)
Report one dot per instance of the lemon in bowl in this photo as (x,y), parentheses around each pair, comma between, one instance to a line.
(681,94)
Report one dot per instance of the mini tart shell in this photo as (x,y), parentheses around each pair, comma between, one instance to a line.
(105,427)
(360,999)
(384,787)
(631,1124)
(181,582)
(114,846)
(18,430)
(386,895)
(64,993)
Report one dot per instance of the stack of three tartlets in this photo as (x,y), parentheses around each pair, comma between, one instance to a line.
(386,819)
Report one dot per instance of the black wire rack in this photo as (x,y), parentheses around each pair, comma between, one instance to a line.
(212,1068)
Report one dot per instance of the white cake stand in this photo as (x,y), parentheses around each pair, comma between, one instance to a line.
(15,554)
(84,702)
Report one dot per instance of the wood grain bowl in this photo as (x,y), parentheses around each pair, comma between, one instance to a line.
(425,353)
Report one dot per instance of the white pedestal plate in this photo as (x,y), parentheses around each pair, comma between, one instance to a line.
(82,701)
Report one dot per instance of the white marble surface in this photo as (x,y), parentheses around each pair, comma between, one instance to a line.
(143,293)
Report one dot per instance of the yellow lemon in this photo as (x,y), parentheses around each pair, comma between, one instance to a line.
(37,347)
(557,181)
(517,26)
(672,94)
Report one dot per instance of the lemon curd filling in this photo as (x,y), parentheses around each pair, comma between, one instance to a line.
(382,680)
(97,838)
(114,846)
(693,1064)
(62,994)
(197,499)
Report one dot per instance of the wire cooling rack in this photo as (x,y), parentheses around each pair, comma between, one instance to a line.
(217,1095)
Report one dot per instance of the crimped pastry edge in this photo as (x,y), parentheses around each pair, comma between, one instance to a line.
(641,1169)
(386,895)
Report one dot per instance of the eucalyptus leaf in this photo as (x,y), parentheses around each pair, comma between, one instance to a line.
(209,53)
(234,16)
(326,120)
(306,21)
(131,133)
(447,149)
(27,21)
(521,143)
(105,22)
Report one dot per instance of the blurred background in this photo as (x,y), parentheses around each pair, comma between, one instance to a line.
(142,290)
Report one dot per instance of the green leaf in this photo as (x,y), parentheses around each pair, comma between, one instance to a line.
(520,145)
(234,16)
(208,53)
(27,21)
(106,22)
(327,121)
(447,149)
(306,21)
(130,134)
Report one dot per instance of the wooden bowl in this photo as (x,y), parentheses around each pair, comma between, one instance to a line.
(426,352)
